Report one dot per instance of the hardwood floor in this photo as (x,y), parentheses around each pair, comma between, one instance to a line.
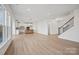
(38,44)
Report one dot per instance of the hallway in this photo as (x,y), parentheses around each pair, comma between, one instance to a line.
(35,27)
(38,44)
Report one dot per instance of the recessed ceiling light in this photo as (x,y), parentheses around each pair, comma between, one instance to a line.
(0,7)
(28,9)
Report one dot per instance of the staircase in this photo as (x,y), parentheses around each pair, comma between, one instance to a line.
(70,30)
(69,24)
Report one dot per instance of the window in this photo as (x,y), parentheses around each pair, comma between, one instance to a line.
(5,25)
(2,19)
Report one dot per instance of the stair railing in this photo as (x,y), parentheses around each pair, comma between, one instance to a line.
(66,26)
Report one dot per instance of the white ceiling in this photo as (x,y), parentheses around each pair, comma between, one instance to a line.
(34,12)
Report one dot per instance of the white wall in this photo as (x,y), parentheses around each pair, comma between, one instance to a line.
(53,28)
(35,26)
(62,20)
(73,33)
(42,27)
(46,27)
(13,26)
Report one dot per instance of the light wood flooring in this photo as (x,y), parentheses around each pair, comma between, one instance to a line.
(38,44)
